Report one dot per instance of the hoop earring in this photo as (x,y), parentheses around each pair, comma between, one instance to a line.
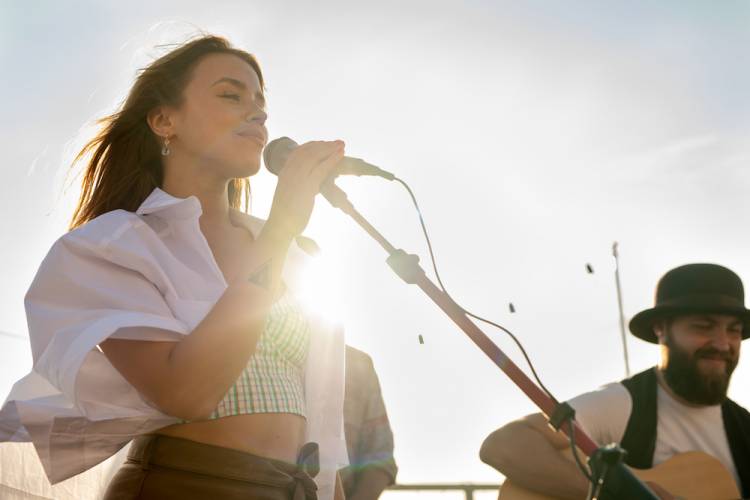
(165,148)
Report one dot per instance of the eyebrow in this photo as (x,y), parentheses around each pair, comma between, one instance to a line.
(709,319)
(241,85)
(233,81)
(704,317)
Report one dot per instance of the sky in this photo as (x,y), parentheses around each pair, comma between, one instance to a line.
(533,133)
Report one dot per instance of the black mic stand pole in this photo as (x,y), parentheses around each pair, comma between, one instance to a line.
(407,267)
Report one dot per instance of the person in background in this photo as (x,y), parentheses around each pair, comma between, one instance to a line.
(369,439)
(678,406)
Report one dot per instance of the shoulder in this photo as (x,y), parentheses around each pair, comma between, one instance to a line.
(101,232)
(741,410)
(612,396)
(604,412)
(356,355)
(358,361)
(114,238)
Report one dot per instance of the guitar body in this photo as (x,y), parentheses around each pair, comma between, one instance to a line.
(692,476)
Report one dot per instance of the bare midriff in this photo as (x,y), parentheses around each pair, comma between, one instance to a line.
(271,435)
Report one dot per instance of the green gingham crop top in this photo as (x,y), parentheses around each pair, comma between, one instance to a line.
(273,380)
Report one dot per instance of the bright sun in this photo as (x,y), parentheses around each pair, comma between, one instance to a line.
(317,290)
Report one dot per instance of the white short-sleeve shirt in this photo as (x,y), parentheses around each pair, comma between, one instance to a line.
(148,275)
(604,415)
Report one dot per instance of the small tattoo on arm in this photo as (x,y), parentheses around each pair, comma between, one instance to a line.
(262,277)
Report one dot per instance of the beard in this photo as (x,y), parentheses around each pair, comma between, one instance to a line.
(686,379)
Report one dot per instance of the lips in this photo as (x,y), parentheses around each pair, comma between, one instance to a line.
(716,361)
(258,135)
(715,356)
(713,359)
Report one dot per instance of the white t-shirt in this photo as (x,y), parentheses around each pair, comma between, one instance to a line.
(604,415)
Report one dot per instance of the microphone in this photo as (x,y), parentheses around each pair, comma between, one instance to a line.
(277,151)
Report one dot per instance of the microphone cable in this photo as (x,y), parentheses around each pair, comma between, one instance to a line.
(465,311)
(573,447)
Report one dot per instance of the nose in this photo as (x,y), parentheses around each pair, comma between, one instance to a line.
(721,339)
(258,116)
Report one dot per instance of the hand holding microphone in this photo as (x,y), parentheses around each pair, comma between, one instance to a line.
(301,172)
(308,167)
(278,150)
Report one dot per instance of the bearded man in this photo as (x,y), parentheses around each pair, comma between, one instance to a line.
(680,405)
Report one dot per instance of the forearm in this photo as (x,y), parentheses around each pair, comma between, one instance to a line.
(527,457)
(205,364)
(188,378)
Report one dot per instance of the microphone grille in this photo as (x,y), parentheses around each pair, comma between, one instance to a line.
(275,153)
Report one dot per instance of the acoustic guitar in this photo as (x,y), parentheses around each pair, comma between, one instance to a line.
(690,476)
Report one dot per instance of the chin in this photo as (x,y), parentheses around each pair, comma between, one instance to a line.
(244,169)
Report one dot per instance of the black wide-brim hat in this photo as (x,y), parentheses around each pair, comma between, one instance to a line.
(691,289)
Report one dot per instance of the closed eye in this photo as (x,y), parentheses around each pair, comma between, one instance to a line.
(234,97)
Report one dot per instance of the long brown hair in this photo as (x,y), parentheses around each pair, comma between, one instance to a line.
(126,164)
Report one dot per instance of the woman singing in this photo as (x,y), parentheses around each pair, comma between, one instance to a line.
(204,357)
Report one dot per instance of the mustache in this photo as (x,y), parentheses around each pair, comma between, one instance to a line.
(710,352)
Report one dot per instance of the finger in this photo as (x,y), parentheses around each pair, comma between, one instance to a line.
(326,164)
(326,167)
(317,151)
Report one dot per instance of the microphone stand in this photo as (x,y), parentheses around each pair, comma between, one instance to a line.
(616,255)
(604,461)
